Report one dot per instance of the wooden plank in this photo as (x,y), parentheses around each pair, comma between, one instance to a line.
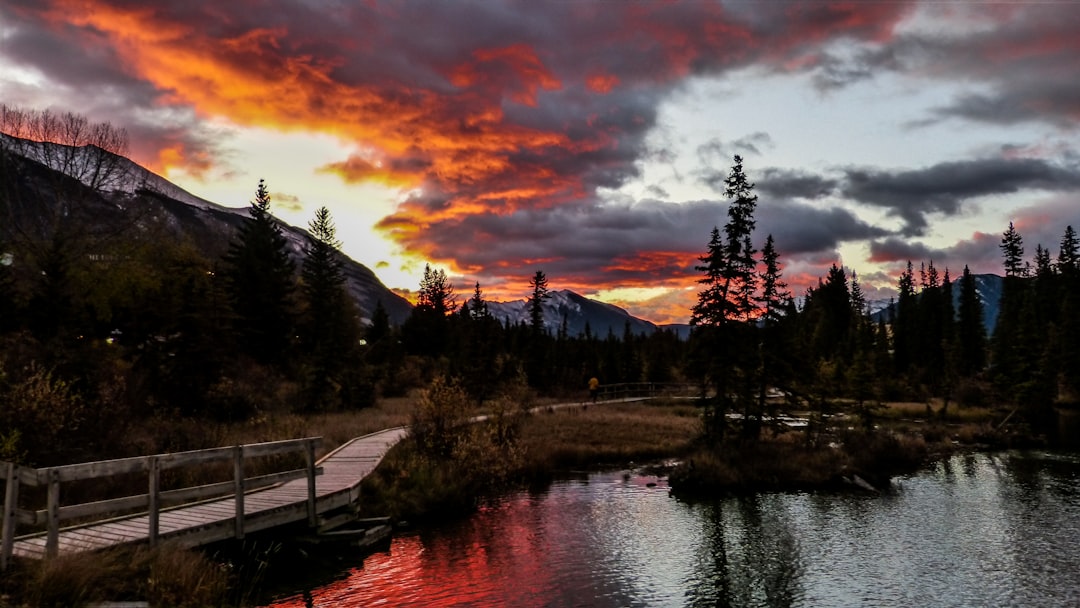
(238,479)
(8,518)
(53,506)
(154,500)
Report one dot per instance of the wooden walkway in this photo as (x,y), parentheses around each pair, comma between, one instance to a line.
(196,524)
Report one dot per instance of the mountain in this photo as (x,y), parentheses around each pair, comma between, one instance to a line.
(119,192)
(576,311)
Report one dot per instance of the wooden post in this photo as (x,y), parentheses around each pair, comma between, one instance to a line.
(11,497)
(52,540)
(238,489)
(309,454)
(154,498)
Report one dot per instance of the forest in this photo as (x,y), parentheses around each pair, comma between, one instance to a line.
(108,323)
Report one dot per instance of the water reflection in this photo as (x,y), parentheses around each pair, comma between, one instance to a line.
(977,530)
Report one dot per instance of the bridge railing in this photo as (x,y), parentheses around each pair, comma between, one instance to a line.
(155,499)
(634,390)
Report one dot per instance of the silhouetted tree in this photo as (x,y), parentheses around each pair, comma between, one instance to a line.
(261,282)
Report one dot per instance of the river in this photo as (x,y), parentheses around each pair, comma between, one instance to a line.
(975,530)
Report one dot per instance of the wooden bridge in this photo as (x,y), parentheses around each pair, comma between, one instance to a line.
(193,516)
(253,503)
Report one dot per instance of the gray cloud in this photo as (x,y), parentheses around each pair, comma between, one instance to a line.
(791,183)
(914,195)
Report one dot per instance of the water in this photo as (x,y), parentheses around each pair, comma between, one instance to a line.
(976,530)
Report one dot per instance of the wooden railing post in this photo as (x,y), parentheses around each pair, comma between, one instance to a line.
(238,483)
(153,498)
(11,498)
(309,454)
(52,540)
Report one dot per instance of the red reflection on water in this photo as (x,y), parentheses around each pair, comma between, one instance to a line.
(506,564)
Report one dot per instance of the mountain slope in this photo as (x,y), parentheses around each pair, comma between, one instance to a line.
(119,191)
(577,312)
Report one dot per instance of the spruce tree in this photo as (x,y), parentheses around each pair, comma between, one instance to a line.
(723,345)
(427,330)
(329,327)
(905,324)
(970,330)
(539,286)
(261,281)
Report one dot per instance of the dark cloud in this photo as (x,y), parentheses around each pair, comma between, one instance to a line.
(791,183)
(942,189)
(801,229)
(1018,61)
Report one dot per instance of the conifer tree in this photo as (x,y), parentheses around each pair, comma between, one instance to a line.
(971,333)
(1068,261)
(427,330)
(1012,247)
(539,286)
(722,347)
(261,281)
(905,327)
(329,328)
(1011,358)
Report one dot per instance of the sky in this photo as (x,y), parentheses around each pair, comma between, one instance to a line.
(590,139)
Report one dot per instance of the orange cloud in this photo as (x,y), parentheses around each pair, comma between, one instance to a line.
(602,83)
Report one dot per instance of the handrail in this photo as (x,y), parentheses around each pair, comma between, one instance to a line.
(630,390)
(15,476)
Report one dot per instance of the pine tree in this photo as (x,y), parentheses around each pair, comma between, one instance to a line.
(971,333)
(329,328)
(773,304)
(1069,254)
(539,286)
(261,281)
(723,347)
(478,308)
(1012,246)
(905,325)
(427,330)
(741,272)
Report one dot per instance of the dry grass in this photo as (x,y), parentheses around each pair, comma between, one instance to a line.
(932,410)
(608,433)
(164,576)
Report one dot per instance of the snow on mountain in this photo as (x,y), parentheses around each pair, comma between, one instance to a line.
(576,312)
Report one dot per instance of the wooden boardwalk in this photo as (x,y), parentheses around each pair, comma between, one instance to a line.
(337,486)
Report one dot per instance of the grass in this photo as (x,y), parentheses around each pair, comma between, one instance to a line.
(163,576)
(613,433)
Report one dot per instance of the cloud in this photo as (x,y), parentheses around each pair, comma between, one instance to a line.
(1014,62)
(914,195)
(791,183)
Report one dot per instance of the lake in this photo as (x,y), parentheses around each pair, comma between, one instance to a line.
(998,529)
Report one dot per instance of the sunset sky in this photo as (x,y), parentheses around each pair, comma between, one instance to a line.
(589,139)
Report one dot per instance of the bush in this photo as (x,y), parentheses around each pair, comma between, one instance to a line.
(40,412)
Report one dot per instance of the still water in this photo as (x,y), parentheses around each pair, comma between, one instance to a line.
(976,530)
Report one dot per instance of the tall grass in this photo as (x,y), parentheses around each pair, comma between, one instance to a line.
(163,576)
